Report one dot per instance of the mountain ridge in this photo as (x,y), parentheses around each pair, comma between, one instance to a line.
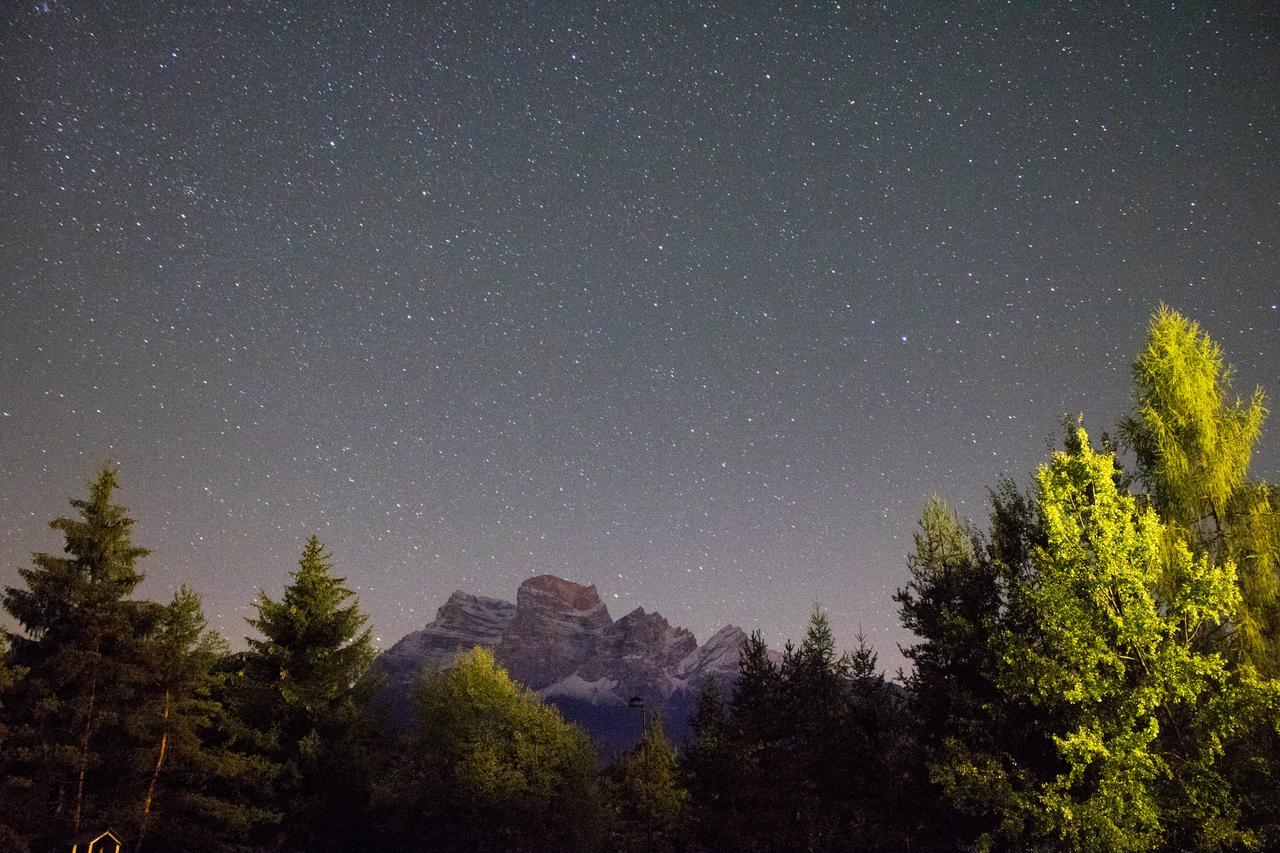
(559,640)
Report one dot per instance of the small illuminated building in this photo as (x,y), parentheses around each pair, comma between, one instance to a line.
(102,842)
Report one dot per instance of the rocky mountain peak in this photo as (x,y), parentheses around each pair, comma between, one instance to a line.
(549,587)
(559,639)
(649,635)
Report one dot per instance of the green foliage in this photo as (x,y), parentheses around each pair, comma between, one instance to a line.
(1193,440)
(79,647)
(1106,666)
(806,756)
(647,799)
(313,648)
(706,763)
(198,792)
(488,766)
(954,605)
(304,686)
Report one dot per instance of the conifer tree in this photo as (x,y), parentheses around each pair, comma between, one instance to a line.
(953,604)
(706,763)
(734,764)
(818,745)
(9,676)
(78,643)
(1194,439)
(198,793)
(648,800)
(307,670)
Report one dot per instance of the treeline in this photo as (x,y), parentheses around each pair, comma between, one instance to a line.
(1093,669)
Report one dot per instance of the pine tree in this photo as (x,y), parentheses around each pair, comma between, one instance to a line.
(79,643)
(197,792)
(307,671)
(818,747)
(9,676)
(886,804)
(706,764)
(954,605)
(733,765)
(648,800)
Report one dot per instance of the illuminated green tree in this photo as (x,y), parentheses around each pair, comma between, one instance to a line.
(1110,665)
(648,800)
(1193,439)
(489,766)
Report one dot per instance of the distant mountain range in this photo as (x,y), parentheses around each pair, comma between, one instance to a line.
(559,639)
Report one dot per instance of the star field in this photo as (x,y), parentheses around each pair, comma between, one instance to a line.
(693,302)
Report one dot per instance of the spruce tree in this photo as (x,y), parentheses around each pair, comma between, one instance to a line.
(199,789)
(954,606)
(9,676)
(817,757)
(706,764)
(648,800)
(306,671)
(79,644)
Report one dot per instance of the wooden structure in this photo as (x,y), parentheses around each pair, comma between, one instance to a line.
(102,842)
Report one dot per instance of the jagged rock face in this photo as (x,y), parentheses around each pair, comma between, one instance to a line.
(648,635)
(556,629)
(639,652)
(717,657)
(559,639)
(464,622)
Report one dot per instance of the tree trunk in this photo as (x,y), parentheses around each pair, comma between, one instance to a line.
(155,772)
(84,739)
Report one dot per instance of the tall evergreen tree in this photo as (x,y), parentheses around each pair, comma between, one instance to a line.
(736,764)
(198,790)
(79,643)
(307,670)
(818,755)
(9,676)
(648,800)
(706,763)
(954,605)
(1194,439)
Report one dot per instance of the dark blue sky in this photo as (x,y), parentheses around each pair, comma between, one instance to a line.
(694,302)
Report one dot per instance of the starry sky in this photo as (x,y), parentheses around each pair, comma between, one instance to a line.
(695,302)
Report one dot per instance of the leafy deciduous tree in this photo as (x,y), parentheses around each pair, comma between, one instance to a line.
(489,766)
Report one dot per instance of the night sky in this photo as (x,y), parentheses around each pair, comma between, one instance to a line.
(694,302)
